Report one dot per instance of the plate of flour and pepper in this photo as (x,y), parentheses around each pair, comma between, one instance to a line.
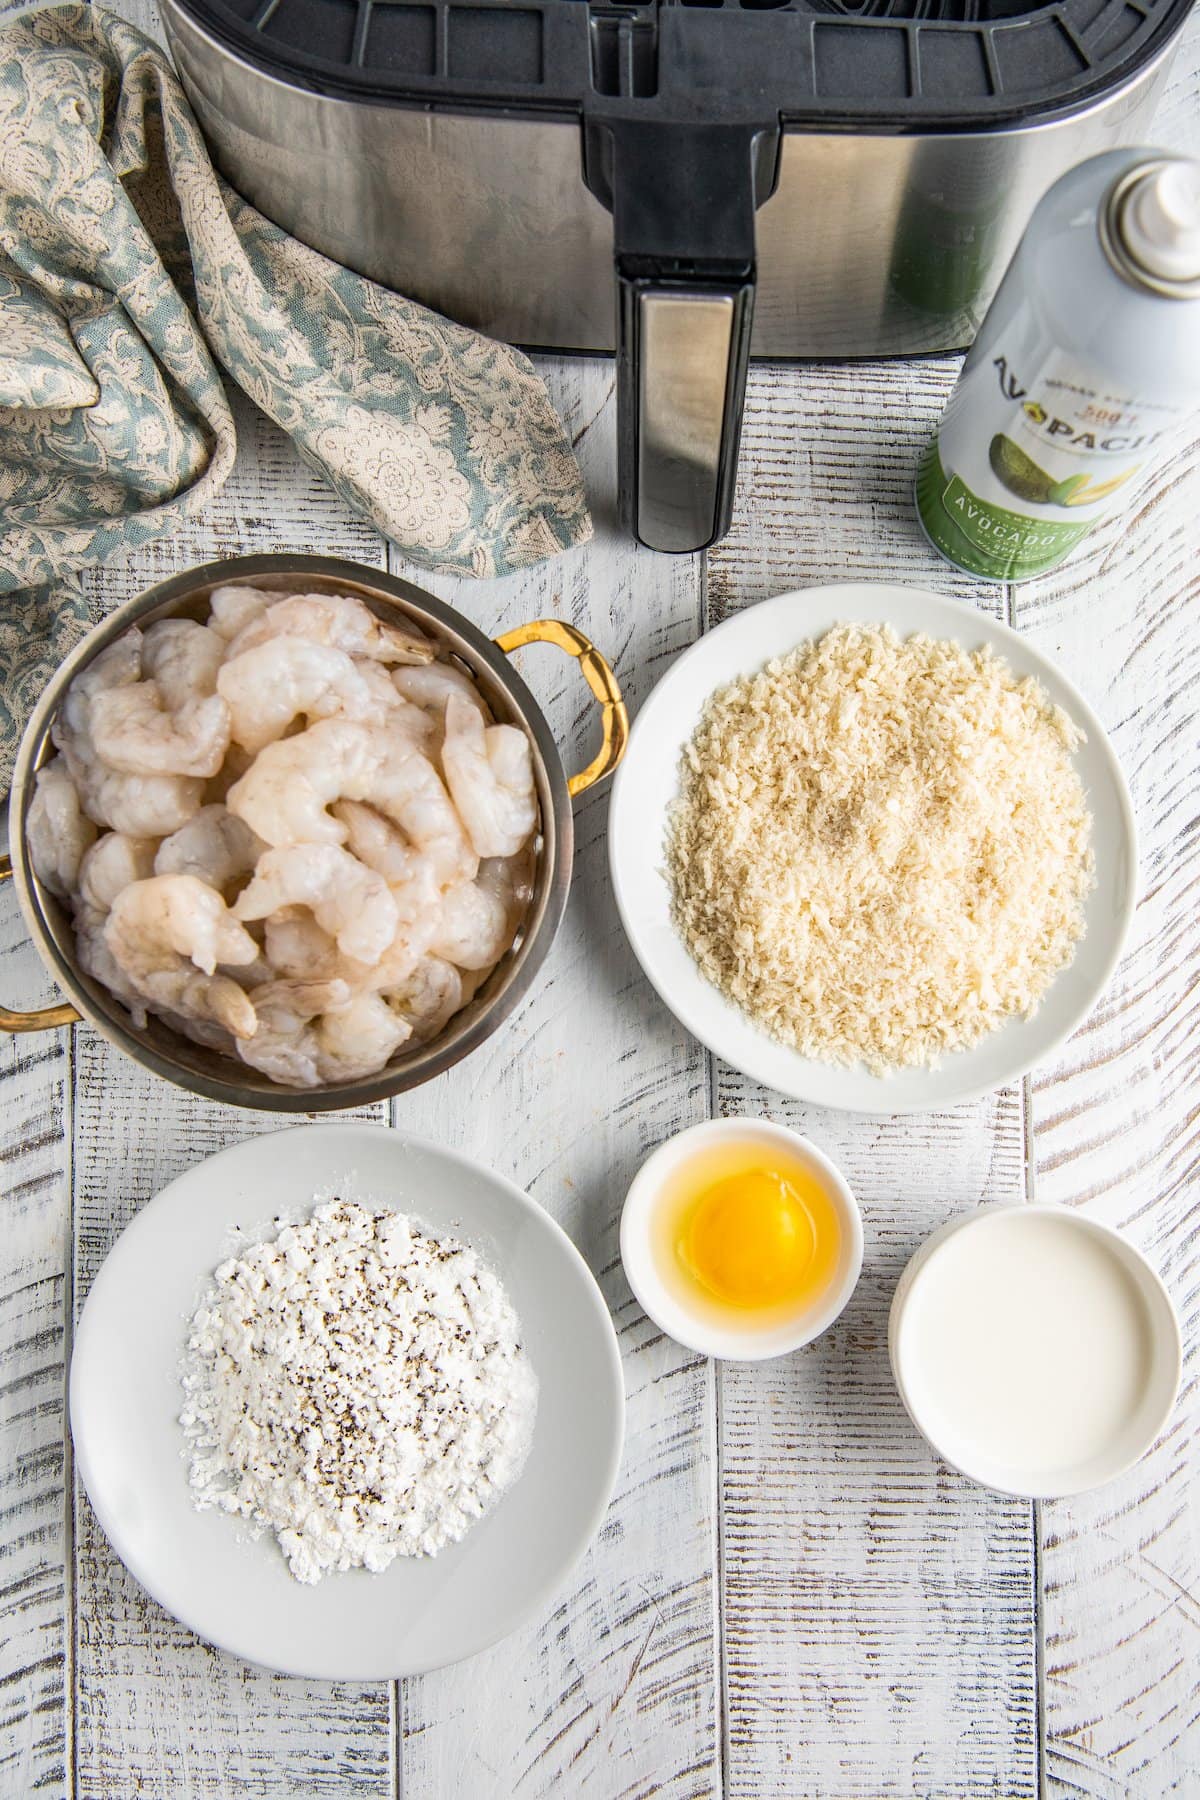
(872,848)
(346,1403)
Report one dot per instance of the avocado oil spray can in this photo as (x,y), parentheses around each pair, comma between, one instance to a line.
(1084,371)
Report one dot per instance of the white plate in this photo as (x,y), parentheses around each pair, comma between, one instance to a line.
(204,1567)
(647,782)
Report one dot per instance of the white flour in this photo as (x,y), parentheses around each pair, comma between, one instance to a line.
(358,1387)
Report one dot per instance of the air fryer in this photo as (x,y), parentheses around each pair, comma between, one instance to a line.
(686,184)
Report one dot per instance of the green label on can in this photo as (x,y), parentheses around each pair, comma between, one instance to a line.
(984,538)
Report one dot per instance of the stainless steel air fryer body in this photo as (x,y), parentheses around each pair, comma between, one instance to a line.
(750,231)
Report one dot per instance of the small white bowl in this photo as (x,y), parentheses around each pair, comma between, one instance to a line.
(667,1312)
(1000,1367)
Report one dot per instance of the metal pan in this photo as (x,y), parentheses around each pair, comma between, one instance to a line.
(219,1077)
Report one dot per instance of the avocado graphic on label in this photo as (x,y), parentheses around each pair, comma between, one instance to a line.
(1085,490)
(1030,482)
(1019,473)
(1064,493)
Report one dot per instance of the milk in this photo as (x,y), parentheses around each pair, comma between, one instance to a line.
(1032,1343)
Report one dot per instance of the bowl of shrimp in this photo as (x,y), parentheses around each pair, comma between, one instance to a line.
(293,833)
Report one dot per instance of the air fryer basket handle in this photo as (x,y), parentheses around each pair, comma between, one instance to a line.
(682,349)
(683,195)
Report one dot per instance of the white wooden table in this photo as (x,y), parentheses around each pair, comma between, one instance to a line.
(791,1598)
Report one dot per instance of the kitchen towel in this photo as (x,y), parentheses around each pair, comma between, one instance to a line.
(128,272)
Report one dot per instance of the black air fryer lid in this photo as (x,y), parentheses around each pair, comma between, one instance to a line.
(907,64)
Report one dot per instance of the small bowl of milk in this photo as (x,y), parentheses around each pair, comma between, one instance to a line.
(1035,1348)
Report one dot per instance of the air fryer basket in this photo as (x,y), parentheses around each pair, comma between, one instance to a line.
(688,111)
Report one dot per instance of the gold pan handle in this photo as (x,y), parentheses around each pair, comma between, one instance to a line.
(614,716)
(49,1016)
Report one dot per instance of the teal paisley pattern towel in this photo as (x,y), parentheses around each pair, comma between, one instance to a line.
(131,277)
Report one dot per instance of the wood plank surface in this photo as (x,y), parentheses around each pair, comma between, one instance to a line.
(879,1610)
(1114,1125)
(35,1672)
(614,1691)
(791,1599)
(1116,1132)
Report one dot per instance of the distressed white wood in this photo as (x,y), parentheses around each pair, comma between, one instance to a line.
(881,1617)
(34,1550)
(1114,1127)
(879,1610)
(1115,1132)
(613,1691)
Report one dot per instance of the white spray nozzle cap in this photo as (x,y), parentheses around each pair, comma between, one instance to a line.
(1160,221)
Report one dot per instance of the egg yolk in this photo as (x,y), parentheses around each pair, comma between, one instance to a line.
(749,1239)
(747,1236)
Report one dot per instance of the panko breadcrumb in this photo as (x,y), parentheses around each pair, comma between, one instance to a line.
(880,849)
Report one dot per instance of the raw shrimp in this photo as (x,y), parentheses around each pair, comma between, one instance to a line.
(376,841)
(168,917)
(249,975)
(215,846)
(140,805)
(381,844)
(167,934)
(268,686)
(478,919)
(111,865)
(401,717)
(96,959)
(232,608)
(57,830)
(429,997)
(284,796)
(396,965)
(378,679)
(118,665)
(408,789)
(134,730)
(338,620)
(170,722)
(183,658)
(285,1045)
(472,928)
(431,687)
(359,1039)
(352,903)
(370,914)
(489,771)
(297,948)
(200,1031)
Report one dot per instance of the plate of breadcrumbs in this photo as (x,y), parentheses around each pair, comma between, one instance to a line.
(872,848)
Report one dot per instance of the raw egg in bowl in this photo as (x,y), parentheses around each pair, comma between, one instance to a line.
(740,1239)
